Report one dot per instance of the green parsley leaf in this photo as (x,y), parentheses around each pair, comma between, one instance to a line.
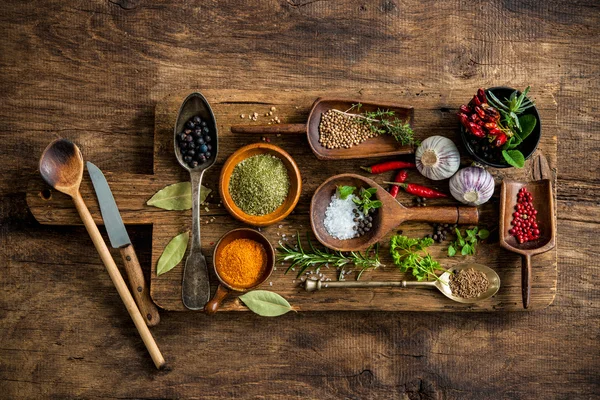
(451,251)
(483,234)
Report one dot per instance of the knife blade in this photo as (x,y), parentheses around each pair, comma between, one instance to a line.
(119,239)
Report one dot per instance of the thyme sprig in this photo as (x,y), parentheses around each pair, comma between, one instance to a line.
(316,258)
(383,122)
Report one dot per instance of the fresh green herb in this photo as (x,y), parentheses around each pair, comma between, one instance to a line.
(364,200)
(265,303)
(511,108)
(345,191)
(411,255)
(467,244)
(515,125)
(316,258)
(384,122)
(173,253)
(177,196)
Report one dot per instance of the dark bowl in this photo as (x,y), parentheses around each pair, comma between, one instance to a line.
(527,147)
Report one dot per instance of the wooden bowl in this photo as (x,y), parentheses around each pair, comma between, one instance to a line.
(293,195)
(224,288)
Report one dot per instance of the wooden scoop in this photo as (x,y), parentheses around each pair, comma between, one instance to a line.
(61,166)
(388,216)
(543,201)
(380,146)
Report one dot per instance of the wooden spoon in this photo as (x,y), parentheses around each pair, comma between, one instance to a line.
(543,201)
(380,146)
(389,216)
(61,165)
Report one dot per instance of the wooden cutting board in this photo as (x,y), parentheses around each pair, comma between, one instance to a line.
(434,115)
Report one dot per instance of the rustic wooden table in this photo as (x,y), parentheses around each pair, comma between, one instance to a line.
(94,71)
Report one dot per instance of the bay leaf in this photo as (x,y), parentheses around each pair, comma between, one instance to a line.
(265,303)
(173,253)
(177,196)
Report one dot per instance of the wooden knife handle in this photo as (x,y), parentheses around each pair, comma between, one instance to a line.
(140,291)
(286,129)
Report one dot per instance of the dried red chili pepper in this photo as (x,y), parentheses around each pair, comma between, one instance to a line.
(475,118)
(476,130)
(465,109)
(481,95)
(490,125)
(480,112)
(476,101)
(500,139)
(464,119)
(495,132)
(388,166)
(419,190)
(399,178)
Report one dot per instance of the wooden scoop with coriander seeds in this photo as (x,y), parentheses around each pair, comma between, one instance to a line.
(389,215)
(61,166)
(378,146)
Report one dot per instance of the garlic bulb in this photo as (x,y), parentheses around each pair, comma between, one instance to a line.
(437,158)
(472,186)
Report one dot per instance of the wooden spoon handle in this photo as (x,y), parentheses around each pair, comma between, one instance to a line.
(137,283)
(213,305)
(285,129)
(444,215)
(526,279)
(118,281)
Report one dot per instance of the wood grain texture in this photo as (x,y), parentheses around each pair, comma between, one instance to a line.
(93,71)
(227,106)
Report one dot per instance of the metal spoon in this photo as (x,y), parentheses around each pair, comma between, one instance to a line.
(195,285)
(61,166)
(441,284)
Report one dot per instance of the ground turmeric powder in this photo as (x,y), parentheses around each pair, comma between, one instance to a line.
(242,263)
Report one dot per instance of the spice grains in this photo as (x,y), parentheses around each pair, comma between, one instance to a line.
(468,283)
(259,184)
(242,263)
(340,130)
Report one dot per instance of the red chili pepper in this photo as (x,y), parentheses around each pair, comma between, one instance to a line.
(400,177)
(490,125)
(465,109)
(388,166)
(480,112)
(475,118)
(476,101)
(419,190)
(481,95)
(500,139)
(495,132)
(464,119)
(476,130)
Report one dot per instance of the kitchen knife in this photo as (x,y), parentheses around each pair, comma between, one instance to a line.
(119,239)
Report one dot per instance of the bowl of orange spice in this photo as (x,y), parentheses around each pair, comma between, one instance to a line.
(243,259)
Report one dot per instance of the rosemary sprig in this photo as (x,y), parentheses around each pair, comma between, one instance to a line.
(383,122)
(316,258)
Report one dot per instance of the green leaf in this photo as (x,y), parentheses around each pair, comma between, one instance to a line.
(451,251)
(528,123)
(471,233)
(346,191)
(265,303)
(514,158)
(177,196)
(173,253)
(465,250)
(484,234)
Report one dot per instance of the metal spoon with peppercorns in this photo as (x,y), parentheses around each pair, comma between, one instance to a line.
(195,144)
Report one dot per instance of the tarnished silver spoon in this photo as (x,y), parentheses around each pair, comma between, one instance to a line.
(441,284)
(195,285)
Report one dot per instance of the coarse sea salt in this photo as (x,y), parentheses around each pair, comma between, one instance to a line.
(339,217)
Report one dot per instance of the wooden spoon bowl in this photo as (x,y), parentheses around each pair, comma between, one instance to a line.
(543,202)
(293,194)
(379,146)
(388,216)
(224,288)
